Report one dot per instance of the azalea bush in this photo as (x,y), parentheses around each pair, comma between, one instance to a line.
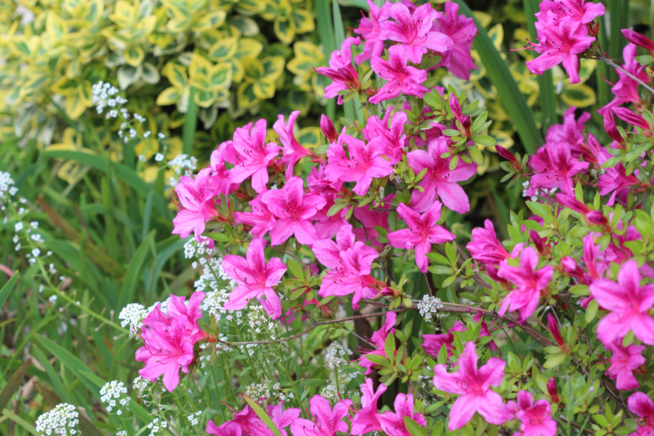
(335,288)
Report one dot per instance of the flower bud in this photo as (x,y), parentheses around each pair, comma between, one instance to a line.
(551,389)
(553,326)
(596,217)
(632,118)
(571,203)
(612,129)
(539,242)
(506,154)
(638,39)
(328,128)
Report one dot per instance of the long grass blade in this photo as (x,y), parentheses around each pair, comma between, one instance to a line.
(618,16)
(13,384)
(339,34)
(602,71)
(499,74)
(190,124)
(545,82)
(7,288)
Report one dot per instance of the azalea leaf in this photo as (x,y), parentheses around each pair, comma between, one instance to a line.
(414,428)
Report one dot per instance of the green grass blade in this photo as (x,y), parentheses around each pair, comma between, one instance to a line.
(619,16)
(545,82)
(328,41)
(262,415)
(55,381)
(20,421)
(7,288)
(339,34)
(13,384)
(190,124)
(498,72)
(134,272)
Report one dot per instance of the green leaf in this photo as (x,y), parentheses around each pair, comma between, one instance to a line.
(262,415)
(507,89)
(190,123)
(591,311)
(554,360)
(414,428)
(14,383)
(296,268)
(389,346)
(7,288)
(328,41)
(133,273)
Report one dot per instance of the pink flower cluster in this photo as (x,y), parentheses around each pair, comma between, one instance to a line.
(168,339)
(565,30)
(412,33)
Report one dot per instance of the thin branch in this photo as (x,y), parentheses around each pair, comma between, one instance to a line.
(313,326)
(602,57)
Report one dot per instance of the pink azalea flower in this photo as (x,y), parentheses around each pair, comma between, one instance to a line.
(614,180)
(413,29)
(401,79)
(643,406)
(422,232)
(282,418)
(462,31)
(561,40)
(529,281)
(379,340)
(366,420)
(255,279)
(535,417)
(474,387)
(341,70)
(632,118)
(328,226)
(577,10)
(326,422)
(293,210)
(626,88)
(571,132)
(390,141)
(628,304)
(219,174)
(370,31)
(293,151)
(261,219)
(623,363)
(318,181)
(350,264)
(252,155)
(392,423)
(555,168)
(371,218)
(432,343)
(169,338)
(365,162)
(198,206)
(439,181)
(229,428)
(485,247)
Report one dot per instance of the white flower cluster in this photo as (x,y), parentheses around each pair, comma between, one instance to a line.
(157,425)
(260,322)
(113,394)
(140,384)
(103,96)
(280,394)
(429,307)
(217,286)
(336,356)
(536,192)
(193,248)
(182,165)
(7,188)
(133,315)
(60,421)
(257,391)
(193,417)
(336,359)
